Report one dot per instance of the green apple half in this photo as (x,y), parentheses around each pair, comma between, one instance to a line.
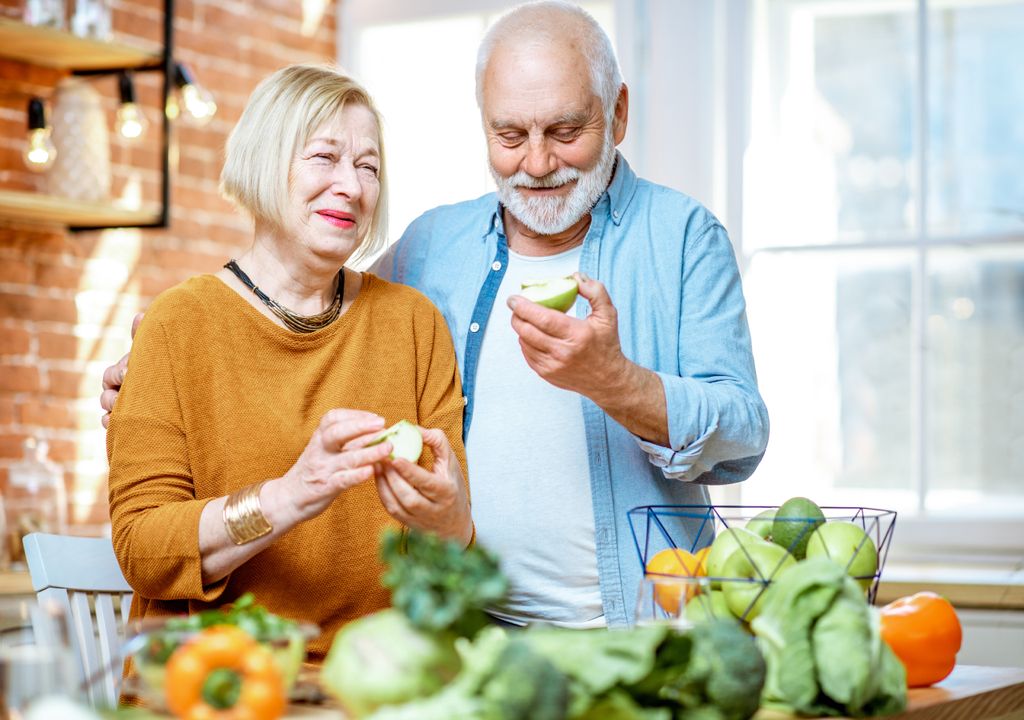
(405,438)
(847,544)
(555,293)
(749,571)
(726,542)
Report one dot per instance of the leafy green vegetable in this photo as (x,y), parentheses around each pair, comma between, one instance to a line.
(823,647)
(438,593)
(439,585)
(254,619)
(713,671)
(382,659)
(502,679)
(395,670)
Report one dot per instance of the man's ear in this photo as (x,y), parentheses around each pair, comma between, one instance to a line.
(621,117)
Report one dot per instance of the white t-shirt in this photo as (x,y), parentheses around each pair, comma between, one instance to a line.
(529,472)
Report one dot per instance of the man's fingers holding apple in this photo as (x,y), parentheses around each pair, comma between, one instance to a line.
(595,293)
(545,320)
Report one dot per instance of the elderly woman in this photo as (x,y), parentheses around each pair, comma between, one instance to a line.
(238,445)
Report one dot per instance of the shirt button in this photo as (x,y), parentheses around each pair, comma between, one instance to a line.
(465,400)
(615,214)
(496,265)
(474,327)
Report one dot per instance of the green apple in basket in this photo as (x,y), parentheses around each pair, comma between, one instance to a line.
(762,523)
(747,573)
(555,293)
(406,441)
(726,543)
(708,606)
(848,545)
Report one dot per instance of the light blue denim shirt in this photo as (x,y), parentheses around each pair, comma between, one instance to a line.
(671,272)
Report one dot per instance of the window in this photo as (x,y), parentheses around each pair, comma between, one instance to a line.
(883,218)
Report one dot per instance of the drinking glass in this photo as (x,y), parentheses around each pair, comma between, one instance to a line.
(30,672)
(675,600)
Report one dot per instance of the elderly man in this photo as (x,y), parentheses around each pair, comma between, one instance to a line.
(644,393)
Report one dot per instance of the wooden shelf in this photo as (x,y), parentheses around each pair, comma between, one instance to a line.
(59,49)
(49,210)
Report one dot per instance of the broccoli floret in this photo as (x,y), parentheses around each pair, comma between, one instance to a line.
(732,665)
(526,685)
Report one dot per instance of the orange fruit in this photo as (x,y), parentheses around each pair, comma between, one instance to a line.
(701,556)
(679,563)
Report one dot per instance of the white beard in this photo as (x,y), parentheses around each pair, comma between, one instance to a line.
(552,215)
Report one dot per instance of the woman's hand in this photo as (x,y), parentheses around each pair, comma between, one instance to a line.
(434,500)
(334,460)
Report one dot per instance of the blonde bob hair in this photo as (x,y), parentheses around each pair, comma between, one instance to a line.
(283,112)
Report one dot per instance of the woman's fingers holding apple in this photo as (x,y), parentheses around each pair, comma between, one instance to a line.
(389,498)
(340,426)
(433,501)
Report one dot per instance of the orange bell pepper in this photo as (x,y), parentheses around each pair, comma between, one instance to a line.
(224,674)
(924,632)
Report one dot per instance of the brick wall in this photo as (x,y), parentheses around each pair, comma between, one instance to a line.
(67,299)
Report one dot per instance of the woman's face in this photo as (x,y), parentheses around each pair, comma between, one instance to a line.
(333,185)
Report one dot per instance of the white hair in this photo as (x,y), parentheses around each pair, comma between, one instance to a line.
(556,22)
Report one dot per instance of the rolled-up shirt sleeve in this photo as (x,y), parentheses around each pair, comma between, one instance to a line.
(717,421)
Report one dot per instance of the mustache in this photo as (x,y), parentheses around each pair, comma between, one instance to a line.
(552,180)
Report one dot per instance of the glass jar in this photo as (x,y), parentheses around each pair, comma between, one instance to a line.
(36,499)
(91,19)
(45,13)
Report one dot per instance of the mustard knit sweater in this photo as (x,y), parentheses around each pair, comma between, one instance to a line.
(219,397)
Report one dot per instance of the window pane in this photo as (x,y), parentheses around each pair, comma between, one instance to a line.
(434,143)
(832,343)
(976,380)
(831,153)
(976,134)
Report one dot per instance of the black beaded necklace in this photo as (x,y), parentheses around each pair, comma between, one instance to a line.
(293,321)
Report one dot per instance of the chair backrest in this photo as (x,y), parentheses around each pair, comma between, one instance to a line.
(80,576)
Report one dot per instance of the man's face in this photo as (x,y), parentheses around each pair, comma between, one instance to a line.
(550,150)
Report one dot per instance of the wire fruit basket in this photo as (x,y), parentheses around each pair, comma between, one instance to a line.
(676,540)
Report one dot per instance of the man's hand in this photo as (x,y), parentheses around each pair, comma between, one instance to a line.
(579,355)
(585,356)
(113,377)
(432,501)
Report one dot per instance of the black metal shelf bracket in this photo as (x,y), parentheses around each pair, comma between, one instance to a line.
(168,67)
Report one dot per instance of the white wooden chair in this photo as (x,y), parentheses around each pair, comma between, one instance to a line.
(81,578)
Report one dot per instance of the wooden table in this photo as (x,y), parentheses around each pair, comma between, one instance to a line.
(971,692)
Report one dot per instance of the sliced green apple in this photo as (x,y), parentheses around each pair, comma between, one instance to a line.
(406,441)
(555,293)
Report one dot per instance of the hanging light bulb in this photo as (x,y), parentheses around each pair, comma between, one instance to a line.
(197,101)
(39,152)
(131,121)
